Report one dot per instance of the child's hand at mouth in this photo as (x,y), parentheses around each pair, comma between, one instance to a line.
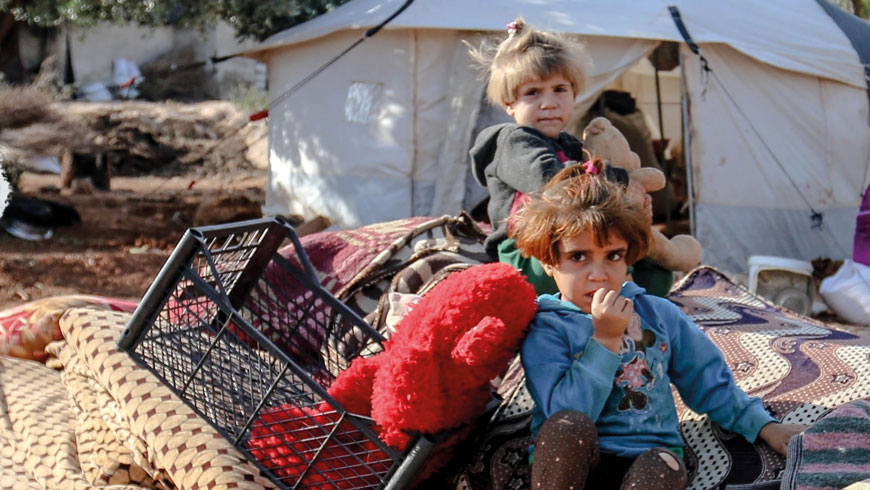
(610,316)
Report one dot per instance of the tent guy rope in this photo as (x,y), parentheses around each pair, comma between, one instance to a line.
(367,34)
(816,217)
(287,93)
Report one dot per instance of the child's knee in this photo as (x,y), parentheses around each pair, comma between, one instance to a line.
(667,457)
(657,468)
(569,425)
(566,448)
(568,420)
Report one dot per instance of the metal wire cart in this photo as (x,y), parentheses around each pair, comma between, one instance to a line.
(251,340)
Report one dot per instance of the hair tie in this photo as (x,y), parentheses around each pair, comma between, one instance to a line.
(590,168)
(513,28)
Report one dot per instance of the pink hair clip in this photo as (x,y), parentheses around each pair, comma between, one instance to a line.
(512,28)
(590,167)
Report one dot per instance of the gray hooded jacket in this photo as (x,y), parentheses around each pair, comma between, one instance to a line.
(509,158)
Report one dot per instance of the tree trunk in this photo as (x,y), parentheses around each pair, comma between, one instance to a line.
(10,58)
(859,9)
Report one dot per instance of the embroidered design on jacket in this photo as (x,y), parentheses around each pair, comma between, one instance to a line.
(634,373)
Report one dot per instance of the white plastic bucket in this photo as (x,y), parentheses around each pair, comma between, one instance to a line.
(785,282)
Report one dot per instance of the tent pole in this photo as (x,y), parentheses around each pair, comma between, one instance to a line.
(687,144)
(661,153)
(414,107)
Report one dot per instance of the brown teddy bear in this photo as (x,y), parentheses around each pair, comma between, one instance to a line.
(603,140)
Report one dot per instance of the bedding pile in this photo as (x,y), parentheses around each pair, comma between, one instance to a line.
(88,416)
(91,417)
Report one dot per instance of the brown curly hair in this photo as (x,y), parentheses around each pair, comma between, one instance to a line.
(571,203)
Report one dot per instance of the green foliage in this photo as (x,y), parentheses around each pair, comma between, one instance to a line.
(259,19)
(255,19)
(861,8)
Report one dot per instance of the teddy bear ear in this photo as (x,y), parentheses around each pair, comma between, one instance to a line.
(652,179)
(635,162)
(596,126)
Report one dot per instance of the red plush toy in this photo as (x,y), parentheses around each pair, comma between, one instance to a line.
(314,445)
(434,372)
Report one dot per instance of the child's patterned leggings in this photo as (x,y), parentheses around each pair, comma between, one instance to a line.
(566,457)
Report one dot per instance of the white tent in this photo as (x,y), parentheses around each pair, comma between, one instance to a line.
(779,129)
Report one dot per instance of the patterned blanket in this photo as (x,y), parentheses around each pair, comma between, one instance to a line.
(100,419)
(833,452)
(798,366)
(358,266)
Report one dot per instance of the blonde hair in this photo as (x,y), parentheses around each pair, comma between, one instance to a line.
(573,202)
(528,54)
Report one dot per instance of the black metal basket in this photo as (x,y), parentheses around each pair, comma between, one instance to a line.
(251,340)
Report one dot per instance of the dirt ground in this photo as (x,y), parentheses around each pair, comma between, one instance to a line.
(125,234)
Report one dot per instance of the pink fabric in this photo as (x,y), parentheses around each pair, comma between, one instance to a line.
(861,249)
(520,198)
(338,256)
(27,328)
(834,440)
(832,468)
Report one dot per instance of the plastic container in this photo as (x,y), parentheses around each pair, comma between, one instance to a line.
(786,282)
(250,339)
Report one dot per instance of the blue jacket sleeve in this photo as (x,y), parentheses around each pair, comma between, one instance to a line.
(565,373)
(705,382)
